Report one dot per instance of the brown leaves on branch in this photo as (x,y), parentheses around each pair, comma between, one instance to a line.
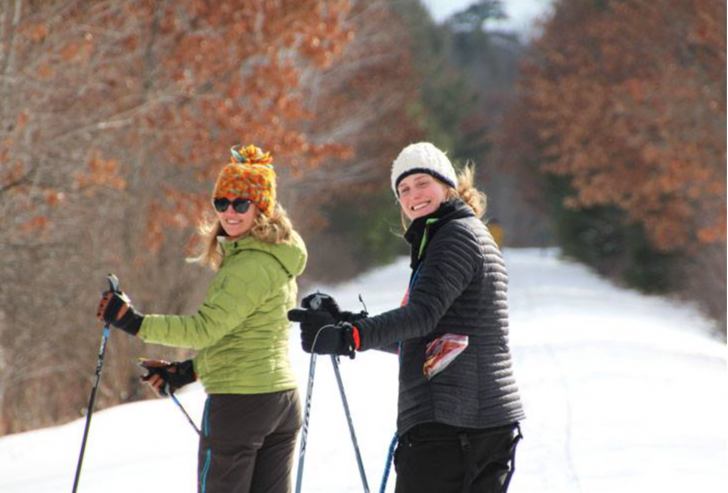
(99,173)
(169,83)
(115,118)
(629,100)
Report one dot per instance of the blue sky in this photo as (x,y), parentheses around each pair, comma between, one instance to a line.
(522,13)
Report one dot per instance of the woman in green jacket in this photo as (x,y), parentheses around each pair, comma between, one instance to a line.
(252,413)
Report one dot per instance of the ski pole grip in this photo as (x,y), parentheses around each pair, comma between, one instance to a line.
(113,283)
(317,301)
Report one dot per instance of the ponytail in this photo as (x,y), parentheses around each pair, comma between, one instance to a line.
(467,192)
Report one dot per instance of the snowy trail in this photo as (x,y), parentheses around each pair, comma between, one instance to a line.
(623,392)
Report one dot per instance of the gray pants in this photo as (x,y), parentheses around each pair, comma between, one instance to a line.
(247,443)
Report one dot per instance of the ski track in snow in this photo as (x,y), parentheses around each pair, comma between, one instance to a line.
(623,393)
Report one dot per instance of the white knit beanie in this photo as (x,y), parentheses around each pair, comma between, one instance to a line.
(422,157)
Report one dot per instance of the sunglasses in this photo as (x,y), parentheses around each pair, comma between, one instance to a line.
(240,206)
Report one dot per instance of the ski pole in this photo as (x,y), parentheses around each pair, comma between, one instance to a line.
(388,465)
(354,442)
(179,404)
(114,287)
(315,304)
(306,418)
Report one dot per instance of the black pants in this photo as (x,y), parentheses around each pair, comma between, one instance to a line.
(248,442)
(438,458)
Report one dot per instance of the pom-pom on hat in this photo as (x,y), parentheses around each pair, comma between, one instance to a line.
(249,175)
(423,157)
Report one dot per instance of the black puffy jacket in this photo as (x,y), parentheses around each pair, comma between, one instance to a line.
(459,287)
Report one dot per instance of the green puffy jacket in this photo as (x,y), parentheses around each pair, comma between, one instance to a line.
(241,330)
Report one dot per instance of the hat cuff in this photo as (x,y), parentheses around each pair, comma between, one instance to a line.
(428,171)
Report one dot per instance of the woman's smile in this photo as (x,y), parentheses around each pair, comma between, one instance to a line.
(421,194)
(237,225)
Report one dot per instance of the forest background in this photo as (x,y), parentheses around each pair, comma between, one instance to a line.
(603,134)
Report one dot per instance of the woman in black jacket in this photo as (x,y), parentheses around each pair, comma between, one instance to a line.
(459,406)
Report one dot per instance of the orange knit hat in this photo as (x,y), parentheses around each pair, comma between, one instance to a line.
(249,175)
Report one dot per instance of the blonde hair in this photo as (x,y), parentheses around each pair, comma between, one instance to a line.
(275,228)
(465,191)
(468,193)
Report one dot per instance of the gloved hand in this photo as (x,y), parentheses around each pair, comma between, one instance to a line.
(339,339)
(116,309)
(311,321)
(327,303)
(165,377)
(321,335)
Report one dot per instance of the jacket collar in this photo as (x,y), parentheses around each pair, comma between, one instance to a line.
(292,255)
(422,229)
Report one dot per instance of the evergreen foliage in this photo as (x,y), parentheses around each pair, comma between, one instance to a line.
(620,123)
(603,238)
(444,112)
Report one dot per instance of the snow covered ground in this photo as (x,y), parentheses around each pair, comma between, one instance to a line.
(623,392)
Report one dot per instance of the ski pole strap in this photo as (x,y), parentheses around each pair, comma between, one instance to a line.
(388,465)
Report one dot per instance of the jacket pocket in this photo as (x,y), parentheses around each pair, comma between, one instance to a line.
(442,351)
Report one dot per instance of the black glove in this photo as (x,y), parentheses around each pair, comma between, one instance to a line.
(165,377)
(322,311)
(116,309)
(339,339)
(327,303)
(311,321)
